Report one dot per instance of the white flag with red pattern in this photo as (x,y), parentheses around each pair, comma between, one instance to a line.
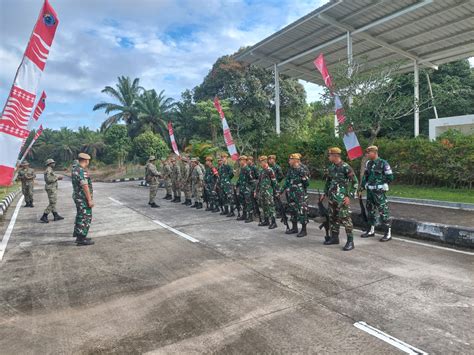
(33,141)
(40,106)
(173,141)
(17,110)
(225,128)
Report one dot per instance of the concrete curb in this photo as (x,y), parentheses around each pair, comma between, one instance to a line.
(442,233)
(7,201)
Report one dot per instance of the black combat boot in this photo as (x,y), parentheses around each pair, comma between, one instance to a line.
(44,219)
(333,240)
(27,204)
(178,199)
(215,209)
(84,241)
(368,233)
(185,202)
(225,211)
(190,203)
(31,205)
(264,223)
(195,205)
(199,206)
(231,212)
(154,205)
(168,197)
(294,228)
(326,238)
(302,232)
(350,243)
(273,224)
(249,218)
(387,235)
(243,217)
(57,217)
(208,207)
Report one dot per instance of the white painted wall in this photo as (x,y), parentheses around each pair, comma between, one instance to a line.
(465,124)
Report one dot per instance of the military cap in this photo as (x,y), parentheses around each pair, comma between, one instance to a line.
(152,158)
(24,163)
(50,161)
(243,157)
(250,158)
(295,156)
(334,150)
(84,156)
(372,148)
(262,158)
(272,156)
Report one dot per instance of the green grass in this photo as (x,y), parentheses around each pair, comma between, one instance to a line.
(4,191)
(422,192)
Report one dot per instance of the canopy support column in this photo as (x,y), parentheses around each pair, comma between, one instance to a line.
(277,99)
(416,92)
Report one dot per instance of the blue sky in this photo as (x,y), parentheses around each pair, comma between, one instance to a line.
(170,45)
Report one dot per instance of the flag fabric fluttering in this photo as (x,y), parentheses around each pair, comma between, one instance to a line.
(40,106)
(173,141)
(33,141)
(353,148)
(225,128)
(16,113)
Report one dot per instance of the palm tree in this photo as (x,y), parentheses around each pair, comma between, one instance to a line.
(125,92)
(91,141)
(67,145)
(152,110)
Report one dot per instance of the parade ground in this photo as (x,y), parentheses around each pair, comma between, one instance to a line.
(181,280)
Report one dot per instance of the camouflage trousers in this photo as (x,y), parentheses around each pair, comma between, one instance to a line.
(27,190)
(339,215)
(197,192)
(153,191)
(53,199)
(266,203)
(176,188)
(187,189)
(246,200)
(227,194)
(168,186)
(298,205)
(83,219)
(377,206)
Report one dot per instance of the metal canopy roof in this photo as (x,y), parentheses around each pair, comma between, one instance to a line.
(430,32)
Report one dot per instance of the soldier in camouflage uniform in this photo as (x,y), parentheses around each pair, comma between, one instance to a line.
(176,180)
(295,185)
(266,190)
(197,179)
(226,174)
(151,177)
(341,186)
(276,168)
(256,173)
(51,187)
(166,173)
(211,178)
(82,196)
(245,186)
(378,174)
(27,177)
(186,180)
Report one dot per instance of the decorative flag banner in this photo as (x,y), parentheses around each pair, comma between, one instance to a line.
(353,148)
(17,110)
(40,106)
(173,141)
(33,141)
(227,135)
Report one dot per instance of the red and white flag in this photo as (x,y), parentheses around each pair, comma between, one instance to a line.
(353,148)
(17,110)
(173,141)
(38,132)
(225,128)
(40,106)
(33,141)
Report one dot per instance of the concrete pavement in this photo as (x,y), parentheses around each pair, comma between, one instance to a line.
(239,288)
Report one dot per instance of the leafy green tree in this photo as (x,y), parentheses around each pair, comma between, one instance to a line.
(184,124)
(125,92)
(118,144)
(149,143)
(209,121)
(92,142)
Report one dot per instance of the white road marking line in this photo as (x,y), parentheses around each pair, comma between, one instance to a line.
(407,348)
(8,232)
(116,201)
(175,231)
(424,244)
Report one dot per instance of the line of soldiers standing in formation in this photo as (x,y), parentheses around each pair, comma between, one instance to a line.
(258,191)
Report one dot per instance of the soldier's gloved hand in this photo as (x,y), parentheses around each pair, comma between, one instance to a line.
(346,201)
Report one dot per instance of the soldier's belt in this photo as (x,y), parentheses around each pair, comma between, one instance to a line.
(383,187)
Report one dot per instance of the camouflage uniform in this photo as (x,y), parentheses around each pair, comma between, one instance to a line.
(378,174)
(51,187)
(151,177)
(210,183)
(166,171)
(27,177)
(83,221)
(266,190)
(186,181)
(197,179)
(245,184)
(278,172)
(341,182)
(226,174)
(176,181)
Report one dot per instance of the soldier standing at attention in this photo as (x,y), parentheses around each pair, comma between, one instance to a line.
(341,186)
(266,191)
(197,179)
(378,174)
(82,195)
(166,172)
(151,177)
(295,184)
(51,187)
(176,180)
(245,187)
(226,174)
(276,168)
(186,180)
(27,177)
(212,184)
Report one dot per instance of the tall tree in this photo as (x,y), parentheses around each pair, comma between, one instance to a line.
(126,93)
